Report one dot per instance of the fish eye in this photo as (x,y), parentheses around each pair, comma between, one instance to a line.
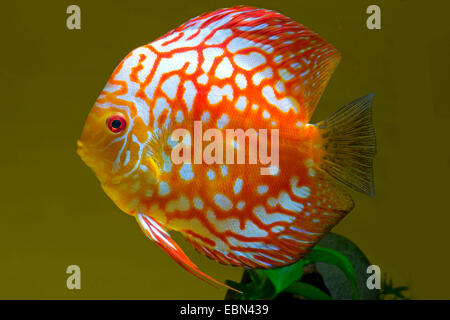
(116,123)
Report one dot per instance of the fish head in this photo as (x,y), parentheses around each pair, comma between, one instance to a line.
(114,143)
(103,140)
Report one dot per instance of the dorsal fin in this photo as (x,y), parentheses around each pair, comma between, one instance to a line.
(301,60)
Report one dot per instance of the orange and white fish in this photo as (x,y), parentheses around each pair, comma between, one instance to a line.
(235,68)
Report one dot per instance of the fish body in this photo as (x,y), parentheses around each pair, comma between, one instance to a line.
(238,68)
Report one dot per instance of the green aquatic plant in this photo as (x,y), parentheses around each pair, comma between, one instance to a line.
(390,292)
(334,269)
(270,283)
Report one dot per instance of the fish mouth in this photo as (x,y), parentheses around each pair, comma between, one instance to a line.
(82,152)
(80,148)
(86,154)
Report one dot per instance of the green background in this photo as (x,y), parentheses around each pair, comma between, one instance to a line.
(55,214)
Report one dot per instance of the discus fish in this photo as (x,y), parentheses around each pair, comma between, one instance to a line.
(236,68)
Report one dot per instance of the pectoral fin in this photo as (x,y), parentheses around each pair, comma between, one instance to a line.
(153,230)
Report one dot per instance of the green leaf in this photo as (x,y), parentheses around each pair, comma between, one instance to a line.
(325,255)
(389,291)
(262,288)
(335,280)
(282,278)
(307,291)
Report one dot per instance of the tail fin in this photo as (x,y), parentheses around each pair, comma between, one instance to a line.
(349,144)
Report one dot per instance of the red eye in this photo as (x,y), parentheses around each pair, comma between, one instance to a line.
(116,123)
